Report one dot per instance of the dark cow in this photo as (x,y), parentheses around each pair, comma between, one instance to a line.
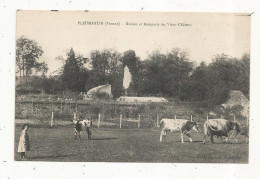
(219,128)
(77,128)
(183,126)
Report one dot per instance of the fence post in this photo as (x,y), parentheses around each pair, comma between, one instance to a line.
(120,121)
(247,121)
(76,107)
(174,116)
(139,119)
(207,117)
(191,118)
(234,118)
(157,120)
(75,116)
(32,105)
(61,105)
(51,119)
(98,120)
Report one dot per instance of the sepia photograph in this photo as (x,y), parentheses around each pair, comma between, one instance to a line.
(147,87)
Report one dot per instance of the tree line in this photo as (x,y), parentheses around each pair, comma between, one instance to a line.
(171,74)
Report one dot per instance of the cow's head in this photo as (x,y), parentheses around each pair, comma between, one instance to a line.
(87,123)
(192,126)
(235,127)
(195,126)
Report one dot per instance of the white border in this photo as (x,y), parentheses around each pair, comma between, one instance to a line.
(11,169)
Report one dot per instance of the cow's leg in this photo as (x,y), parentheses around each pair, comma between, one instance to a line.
(182,138)
(204,141)
(189,137)
(79,136)
(162,134)
(211,138)
(75,134)
(165,136)
(89,134)
(205,129)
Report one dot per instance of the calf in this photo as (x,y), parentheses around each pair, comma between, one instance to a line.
(183,126)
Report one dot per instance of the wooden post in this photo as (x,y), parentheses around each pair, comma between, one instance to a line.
(157,120)
(191,118)
(61,105)
(234,118)
(75,116)
(32,105)
(51,119)
(76,107)
(120,121)
(175,117)
(98,120)
(247,121)
(207,117)
(139,120)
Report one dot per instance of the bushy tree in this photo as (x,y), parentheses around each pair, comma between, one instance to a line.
(28,53)
(166,74)
(213,82)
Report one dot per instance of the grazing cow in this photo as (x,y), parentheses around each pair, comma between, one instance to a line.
(219,128)
(78,127)
(178,125)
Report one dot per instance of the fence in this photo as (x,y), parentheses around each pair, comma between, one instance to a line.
(108,113)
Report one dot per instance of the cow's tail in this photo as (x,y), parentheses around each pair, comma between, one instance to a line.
(161,124)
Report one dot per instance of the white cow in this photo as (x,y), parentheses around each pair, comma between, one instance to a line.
(183,126)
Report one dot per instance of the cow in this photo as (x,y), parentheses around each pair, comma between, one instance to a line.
(78,127)
(219,128)
(88,124)
(183,126)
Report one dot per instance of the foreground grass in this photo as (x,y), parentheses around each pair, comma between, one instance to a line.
(127,145)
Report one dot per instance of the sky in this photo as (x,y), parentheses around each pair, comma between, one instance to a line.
(204,35)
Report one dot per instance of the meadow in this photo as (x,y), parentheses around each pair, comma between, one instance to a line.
(127,145)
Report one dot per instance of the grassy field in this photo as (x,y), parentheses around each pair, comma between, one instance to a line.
(127,145)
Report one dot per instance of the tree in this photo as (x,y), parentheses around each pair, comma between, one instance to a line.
(166,74)
(198,83)
(74,73)
(106,67)
(27,53)
(213,82)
